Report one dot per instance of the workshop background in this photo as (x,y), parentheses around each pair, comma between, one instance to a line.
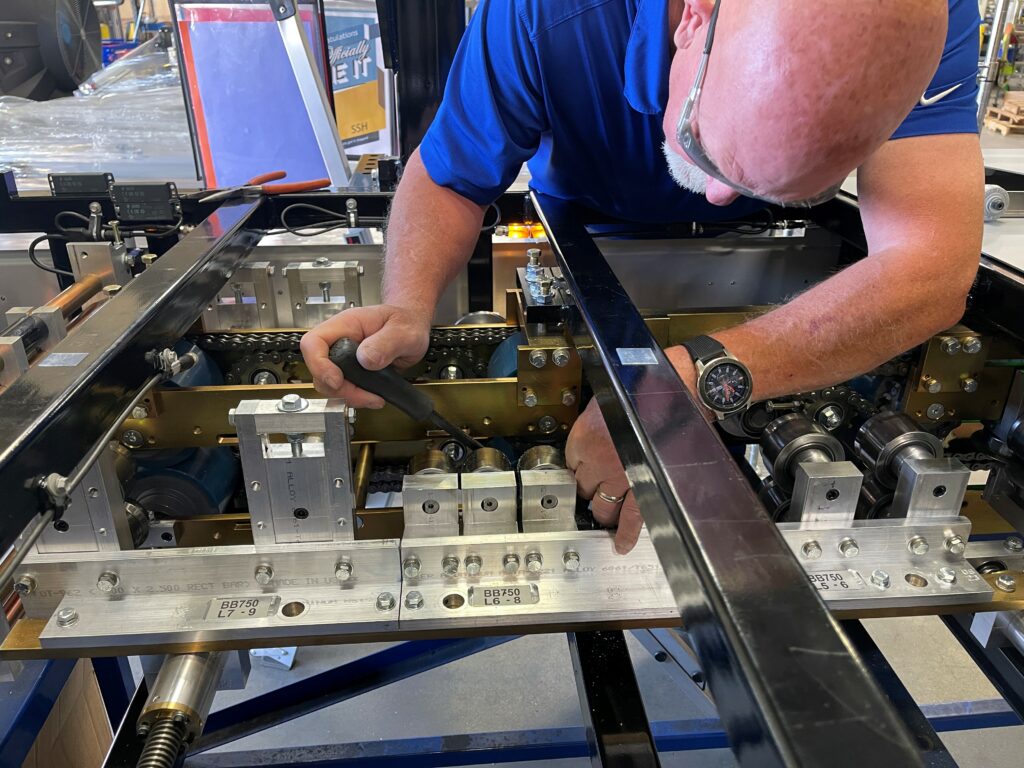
(132,107)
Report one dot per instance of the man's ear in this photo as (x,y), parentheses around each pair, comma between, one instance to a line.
(696,14)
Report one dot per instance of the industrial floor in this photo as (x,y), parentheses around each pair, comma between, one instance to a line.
(529,684)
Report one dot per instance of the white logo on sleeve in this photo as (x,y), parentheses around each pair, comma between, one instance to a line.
(927,101)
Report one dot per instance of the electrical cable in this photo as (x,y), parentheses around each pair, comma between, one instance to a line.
(333,221)
(75,214)
(35,259)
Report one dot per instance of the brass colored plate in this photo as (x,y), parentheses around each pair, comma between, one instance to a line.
(986,404)
(984,519)
(213,530)
(23,641)
(198,416)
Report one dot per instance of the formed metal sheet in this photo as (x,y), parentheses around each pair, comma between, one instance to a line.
(788,687)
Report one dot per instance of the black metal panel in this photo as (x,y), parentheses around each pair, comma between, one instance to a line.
(420,40)
(52,416)
(618,732)
(788,687)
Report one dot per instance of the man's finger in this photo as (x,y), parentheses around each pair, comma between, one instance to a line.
(325,374)
(606,512)
(588,477)
(631,522)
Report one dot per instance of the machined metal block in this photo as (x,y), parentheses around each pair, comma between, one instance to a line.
(430,504)
(95,520)
(109,261)
(548,500)
(300,490)
(826,493)
(930,488)
(320,289)
(489,503)
(247,301)
(13,359)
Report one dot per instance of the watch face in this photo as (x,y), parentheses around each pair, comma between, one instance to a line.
(726,386)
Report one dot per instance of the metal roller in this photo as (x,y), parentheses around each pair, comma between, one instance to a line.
(431,462)
(487,460)
(887,440)
(541,457)
(793,439)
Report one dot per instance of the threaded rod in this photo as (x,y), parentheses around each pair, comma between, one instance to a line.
(163,745)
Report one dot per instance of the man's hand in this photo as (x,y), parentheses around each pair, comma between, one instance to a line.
(386,334)
(590,453)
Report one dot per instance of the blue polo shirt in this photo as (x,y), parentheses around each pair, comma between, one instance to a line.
(577,88)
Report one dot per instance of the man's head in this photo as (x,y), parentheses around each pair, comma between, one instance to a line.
(796,94)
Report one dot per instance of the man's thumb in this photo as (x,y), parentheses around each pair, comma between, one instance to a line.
(381,349)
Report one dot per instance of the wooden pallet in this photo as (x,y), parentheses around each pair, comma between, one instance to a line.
(1002,115)
(1003,127)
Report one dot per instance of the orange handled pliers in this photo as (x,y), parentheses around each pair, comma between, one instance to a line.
(259,185)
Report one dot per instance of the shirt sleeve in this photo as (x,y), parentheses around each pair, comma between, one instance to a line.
(956,111)
(492,115)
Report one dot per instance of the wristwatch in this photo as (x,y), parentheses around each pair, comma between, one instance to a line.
(724,384)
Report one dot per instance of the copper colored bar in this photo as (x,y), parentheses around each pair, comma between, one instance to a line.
(73,298)
(361,479)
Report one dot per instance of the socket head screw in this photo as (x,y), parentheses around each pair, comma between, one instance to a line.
(849,547)
(510,563)
(950,345)
(411,567)
(473,565)
(450,566)
(571,561)
(538,358)
(971,345)
(560,357)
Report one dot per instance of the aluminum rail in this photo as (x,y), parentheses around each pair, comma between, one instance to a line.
(53,415)
(788,686)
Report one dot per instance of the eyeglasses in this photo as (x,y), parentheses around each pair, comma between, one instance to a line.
(686,134)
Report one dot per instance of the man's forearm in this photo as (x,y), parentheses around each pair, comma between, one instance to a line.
(430,236)
(856,320)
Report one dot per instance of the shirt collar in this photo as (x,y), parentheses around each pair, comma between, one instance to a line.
(647,58)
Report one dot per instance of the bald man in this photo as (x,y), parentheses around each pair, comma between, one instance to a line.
(601,99)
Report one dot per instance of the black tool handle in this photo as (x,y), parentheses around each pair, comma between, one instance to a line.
(387,383)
